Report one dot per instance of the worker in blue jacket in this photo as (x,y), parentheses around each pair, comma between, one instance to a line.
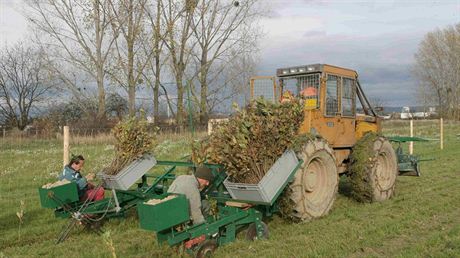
(86,190)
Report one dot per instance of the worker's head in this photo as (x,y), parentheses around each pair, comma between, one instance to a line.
(77,162)
(204,176)
(309,92)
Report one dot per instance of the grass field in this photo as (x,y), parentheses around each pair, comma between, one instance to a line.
(422,220)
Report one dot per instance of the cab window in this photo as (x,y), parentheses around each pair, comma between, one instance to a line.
(348,97)
(332,100)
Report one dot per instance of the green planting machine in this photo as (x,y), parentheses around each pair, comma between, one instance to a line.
(234,206)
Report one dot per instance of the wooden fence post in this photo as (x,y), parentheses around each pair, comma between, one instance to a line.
(66,145)
(411,143)
(441,133)
(210,121)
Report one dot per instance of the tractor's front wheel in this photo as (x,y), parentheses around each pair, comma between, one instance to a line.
(316,182)
(373,170)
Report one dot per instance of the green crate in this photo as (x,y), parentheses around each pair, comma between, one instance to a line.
(164,215)
(64,194)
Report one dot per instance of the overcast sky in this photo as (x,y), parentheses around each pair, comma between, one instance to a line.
(377,38)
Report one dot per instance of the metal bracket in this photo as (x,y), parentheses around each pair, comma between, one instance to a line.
(117,204)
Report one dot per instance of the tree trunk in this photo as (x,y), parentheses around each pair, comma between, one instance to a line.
(130,42)
(156,89)
(23,115)
(22,122)
(441,110)
(99,62)
(180,100)
(204,89)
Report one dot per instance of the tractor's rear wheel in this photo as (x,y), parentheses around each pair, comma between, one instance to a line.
(380,168)
(315,185)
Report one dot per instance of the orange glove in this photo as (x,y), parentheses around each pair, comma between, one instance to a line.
(194,241)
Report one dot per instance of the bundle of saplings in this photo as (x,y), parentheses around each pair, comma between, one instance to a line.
(132,141)
(199,151)
(254,138)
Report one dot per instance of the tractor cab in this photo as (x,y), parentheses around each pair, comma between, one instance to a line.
(305,82)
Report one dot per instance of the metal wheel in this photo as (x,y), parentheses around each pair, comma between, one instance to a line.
(316,182)
(251,233)
(383,170)
(417,169)
(206,249)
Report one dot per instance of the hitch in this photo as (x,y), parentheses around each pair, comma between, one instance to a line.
(408,165)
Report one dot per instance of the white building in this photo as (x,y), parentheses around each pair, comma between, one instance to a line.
(406,114)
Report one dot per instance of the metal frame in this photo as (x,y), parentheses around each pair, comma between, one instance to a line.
(272,78)
(338,95)
(353,96)
(302,81)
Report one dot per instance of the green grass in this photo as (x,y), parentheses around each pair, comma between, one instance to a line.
(422,220)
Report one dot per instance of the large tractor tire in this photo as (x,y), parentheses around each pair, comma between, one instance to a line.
(315,185)
(373,169)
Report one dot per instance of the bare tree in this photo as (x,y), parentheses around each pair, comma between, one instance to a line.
(437,68)
(232,84)
(178,19)
(155,43)
(225,31)
(75,33)
(129,19)
(23,84)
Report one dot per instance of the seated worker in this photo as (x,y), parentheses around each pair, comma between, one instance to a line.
(190,186)
(86,190)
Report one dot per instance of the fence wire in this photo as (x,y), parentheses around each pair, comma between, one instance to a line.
(14,138)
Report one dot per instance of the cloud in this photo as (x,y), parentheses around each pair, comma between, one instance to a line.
(289,28)
(314,33)
(401,93)
(12,24)
(283,8)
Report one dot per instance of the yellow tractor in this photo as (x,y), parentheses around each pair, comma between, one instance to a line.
(337,111)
